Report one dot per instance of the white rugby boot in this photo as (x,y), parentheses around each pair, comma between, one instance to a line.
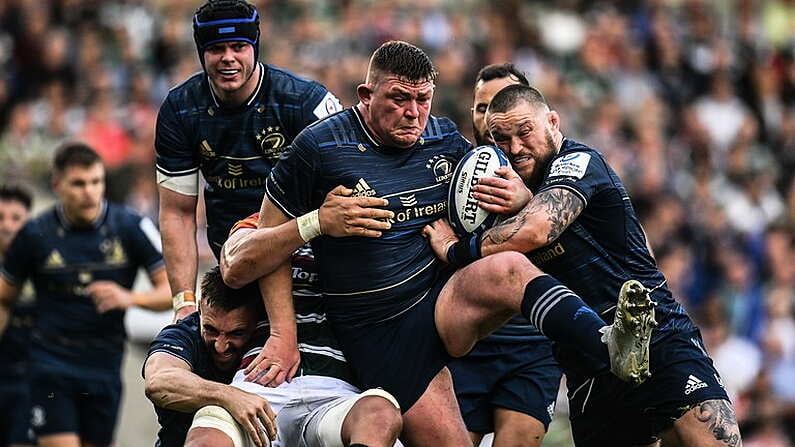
(628,337)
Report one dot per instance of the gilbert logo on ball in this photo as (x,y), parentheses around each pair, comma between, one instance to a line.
(463,212)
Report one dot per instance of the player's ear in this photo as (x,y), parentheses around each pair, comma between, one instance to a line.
(554,120)
(54,181)
(365,93)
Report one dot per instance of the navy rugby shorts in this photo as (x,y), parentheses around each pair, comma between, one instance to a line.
(15,412)
(86,407)
(607,411)
(401,355)
(522,377)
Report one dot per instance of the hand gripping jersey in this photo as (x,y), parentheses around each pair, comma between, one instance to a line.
(61,260)
(320,351)
(234,149)
(364,279)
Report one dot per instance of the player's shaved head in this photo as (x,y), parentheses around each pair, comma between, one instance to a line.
(403,60)
(507,98)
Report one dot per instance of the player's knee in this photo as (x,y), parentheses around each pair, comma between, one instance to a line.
(375,414)
(206,437)
(380,413)
(509,267)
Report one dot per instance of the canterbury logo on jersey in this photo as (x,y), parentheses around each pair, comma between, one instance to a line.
(362,189)
(693,384)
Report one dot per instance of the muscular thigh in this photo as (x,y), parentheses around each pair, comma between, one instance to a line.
(480,298)
(435,420)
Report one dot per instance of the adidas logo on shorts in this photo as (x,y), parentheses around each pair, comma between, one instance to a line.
(693,383)
(362,189)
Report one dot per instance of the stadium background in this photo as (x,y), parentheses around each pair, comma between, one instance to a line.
(692,101)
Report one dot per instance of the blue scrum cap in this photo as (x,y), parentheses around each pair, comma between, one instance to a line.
(225,21)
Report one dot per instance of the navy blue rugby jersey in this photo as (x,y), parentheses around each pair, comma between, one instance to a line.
(605,246)
(364,279)
(15,344)
(183,340)
(235,149)
(61,260)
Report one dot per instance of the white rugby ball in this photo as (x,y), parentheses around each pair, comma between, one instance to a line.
(463,212)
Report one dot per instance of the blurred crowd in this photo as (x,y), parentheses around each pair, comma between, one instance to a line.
(691,101)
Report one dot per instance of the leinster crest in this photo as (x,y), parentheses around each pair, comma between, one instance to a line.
(271,142)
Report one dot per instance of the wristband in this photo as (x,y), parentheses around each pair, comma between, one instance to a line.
(309,225)
(464,252)
(183,299)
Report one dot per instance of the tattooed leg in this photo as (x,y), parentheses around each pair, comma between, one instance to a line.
(710,423)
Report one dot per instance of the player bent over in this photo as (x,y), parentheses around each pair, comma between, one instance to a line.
(319,407)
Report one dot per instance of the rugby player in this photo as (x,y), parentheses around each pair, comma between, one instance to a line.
(82,256)
(399,316)
(189,363)
(15,430)
(509,382)
(319,408)
(231,121)
(580,226)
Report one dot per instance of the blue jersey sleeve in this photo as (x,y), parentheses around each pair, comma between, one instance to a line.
(292,182)
(145,244)
(182,340)
(19,259)
(582,172)
(175,156)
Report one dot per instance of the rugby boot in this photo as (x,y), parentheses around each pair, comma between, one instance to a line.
(628,337)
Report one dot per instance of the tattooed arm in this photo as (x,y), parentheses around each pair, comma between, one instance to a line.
(539,223)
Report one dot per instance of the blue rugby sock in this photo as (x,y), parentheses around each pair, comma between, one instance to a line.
(563,316)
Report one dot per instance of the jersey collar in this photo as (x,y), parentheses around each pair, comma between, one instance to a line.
(67,224)
(250,99)
(363,126)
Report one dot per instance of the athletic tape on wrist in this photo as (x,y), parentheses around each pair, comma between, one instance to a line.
(183,299)
(309,225)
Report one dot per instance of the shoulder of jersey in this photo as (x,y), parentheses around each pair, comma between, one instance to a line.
(286,83)
(439,127)
(188,86)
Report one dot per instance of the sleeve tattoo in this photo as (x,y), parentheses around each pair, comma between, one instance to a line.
(560,206)
(720,420)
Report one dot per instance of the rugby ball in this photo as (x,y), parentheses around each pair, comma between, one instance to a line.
(463,212)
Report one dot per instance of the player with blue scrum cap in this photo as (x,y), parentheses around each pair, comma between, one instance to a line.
(82,255)
(581,227)
(231,121)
